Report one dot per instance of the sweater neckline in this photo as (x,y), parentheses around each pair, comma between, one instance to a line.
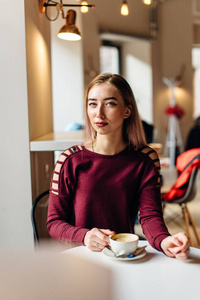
(106,155)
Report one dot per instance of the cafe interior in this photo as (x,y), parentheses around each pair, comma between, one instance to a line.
(155,46)
(151,45)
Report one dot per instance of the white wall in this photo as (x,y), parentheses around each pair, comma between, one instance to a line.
(38,56)
(137,69)
(67,77)
(15,183)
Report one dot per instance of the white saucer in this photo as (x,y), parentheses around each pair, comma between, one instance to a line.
(110,254)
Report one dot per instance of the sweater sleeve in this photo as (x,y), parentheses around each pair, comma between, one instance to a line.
(150,207)
(60,219)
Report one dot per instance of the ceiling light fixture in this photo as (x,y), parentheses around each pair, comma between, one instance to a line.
(69,31)
(147,2)
(155,2)
(84,8)
(124,8)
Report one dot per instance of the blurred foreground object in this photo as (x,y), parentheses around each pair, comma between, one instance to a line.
(26,275)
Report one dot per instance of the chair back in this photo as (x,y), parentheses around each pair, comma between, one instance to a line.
(186,163)
(33,216)
(191,189)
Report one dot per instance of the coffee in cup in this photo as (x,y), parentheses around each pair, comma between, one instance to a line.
(124,243)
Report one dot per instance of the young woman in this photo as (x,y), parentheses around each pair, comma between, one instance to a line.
(98,188)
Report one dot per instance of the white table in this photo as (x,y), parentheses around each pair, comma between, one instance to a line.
(154,277)
(80,274)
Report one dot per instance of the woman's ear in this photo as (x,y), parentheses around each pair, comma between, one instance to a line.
(128,112)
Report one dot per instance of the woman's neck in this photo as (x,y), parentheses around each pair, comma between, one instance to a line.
(108,145)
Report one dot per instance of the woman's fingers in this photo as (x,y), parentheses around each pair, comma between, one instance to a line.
(97,239)
(183,254)
(107,231)
(176,246)
(182,251)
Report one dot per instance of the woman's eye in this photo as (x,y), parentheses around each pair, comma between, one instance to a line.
(92,104)
(111,103)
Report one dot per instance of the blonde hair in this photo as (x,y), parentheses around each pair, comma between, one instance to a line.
(133,132)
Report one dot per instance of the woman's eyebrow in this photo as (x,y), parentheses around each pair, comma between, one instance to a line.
(92,99)
(108,98)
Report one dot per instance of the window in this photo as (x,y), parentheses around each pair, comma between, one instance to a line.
(110,58)
(196,66)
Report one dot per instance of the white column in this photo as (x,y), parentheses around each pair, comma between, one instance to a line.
(15,181)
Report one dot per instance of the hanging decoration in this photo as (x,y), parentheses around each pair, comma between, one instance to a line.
(175,110)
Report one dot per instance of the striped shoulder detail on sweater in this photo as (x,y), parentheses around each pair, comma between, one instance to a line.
(154,157)
(58,166)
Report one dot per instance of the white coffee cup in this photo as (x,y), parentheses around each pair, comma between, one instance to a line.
(124,243)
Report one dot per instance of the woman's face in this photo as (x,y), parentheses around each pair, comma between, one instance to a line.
(106,109)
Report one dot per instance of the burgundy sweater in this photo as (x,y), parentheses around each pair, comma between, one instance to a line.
(106,191)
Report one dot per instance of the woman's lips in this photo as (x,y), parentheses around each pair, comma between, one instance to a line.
(101,124)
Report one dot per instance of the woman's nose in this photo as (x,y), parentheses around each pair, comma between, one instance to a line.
(100,112)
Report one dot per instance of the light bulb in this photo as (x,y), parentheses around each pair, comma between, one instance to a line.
(147,2)
(68,36)
(124,9)
(84,9)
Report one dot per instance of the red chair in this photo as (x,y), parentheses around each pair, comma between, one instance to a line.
(186,187)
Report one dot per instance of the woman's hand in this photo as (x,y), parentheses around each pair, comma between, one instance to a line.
(97,239)
(177,246)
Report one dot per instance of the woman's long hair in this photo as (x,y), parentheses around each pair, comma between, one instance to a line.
(133,132)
